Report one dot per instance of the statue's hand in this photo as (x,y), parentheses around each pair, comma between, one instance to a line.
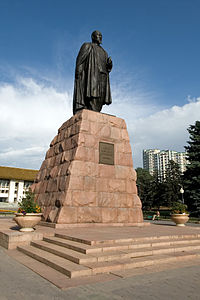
(109,64)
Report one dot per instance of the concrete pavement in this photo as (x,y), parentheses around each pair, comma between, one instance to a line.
(165,282)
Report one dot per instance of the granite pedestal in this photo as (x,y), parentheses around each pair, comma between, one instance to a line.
(87,175)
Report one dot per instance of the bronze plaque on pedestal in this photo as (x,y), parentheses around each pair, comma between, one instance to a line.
(106,153)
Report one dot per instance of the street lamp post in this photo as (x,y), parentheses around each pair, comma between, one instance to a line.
(182,192)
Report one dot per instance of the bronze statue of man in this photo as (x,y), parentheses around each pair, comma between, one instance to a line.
(92,86)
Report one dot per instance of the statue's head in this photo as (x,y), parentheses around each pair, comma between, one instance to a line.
(96,37)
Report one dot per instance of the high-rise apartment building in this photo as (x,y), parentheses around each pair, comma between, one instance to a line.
(156,161)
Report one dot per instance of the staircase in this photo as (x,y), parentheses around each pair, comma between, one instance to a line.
(77,257)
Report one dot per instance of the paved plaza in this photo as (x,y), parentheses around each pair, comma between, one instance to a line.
(166,282)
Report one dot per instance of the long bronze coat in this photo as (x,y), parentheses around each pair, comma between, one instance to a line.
(91,69)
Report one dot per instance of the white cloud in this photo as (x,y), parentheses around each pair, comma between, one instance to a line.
(166,129)
(32,112)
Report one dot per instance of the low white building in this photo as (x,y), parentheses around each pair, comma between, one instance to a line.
(14,182)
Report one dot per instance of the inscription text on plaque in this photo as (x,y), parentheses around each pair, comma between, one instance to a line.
(106,153)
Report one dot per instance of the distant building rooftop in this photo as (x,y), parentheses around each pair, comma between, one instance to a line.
(17,173)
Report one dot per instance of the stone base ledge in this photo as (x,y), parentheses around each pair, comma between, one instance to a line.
(92,225)
(11,240)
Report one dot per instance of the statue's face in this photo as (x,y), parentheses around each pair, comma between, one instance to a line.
(97,37)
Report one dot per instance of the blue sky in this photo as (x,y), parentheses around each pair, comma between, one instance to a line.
(155,78)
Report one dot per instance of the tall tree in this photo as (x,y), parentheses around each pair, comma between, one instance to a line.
(173,183)
(192,174)
(144,183)
(158,191)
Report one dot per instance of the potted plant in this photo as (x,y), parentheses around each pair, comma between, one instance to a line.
(179,214)
(29,213)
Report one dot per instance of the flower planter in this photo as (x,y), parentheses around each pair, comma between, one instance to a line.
(180,219)
(28,221)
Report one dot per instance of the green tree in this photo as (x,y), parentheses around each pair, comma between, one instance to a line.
(172,183)
(158,192)
(192,174)
(144,183)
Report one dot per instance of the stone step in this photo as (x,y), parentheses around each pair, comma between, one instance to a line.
(76,246)
(72,255)
(88,249)
(119,255)
(110,263)
(60,264)
(75,239)
(131,263)
(81,258)
(129,240)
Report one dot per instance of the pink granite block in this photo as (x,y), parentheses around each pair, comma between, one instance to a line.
(67,144)
(83,115)
(123,159)
(53,214)
(92,116)
(63,169)
(67,214)
(74,141)
(43,187)
(106,171)
(76,183)
(116,185)
(54,172)
(62,183)
(67,156)
(72,177)
(62,135)
(81,168)
(102,185)
(117,122)
(75,128)
(123,215)
(133,175)
(131,186)
(48,162)
(37,187)
(65,198)
(45,212)
(121,200)
(49,153)
(89,215)
(85,126)
(81,153)
(49,185)
(105,132)
(83,198)
(42,174)
(91,142)
(106,199)
(122,172)
(109,215)
(115,133)
(77,168)
(57,149)
(54,141)
(51,162)
(94,129)
(127,147)
(135,215)
(89,183)
(130,200)
(124,135)
(136,201)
